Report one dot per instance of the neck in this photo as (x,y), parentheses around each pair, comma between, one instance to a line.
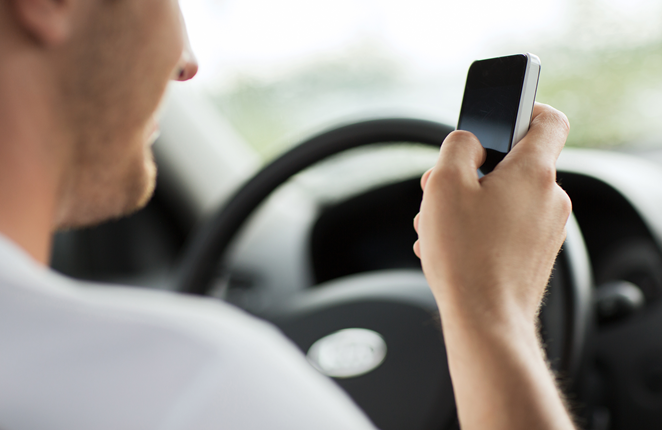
(29,177)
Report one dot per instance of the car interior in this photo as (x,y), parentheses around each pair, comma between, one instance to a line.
(309,226)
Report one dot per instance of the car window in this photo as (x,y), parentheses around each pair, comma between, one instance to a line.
(280,69)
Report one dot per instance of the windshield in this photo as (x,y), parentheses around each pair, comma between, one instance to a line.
(279,69)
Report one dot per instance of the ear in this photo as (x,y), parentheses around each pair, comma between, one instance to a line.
(47,21)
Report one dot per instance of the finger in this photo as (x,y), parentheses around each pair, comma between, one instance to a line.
(416,222)
(424,178)
(417,249)
(545,139)
(461,155)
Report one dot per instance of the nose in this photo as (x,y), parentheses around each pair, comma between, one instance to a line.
(188,68)
(188,64)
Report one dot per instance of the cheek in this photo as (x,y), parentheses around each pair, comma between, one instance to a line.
(169,36)
(133,73)
(163,56)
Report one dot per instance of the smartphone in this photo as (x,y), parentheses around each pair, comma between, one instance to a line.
(498,103)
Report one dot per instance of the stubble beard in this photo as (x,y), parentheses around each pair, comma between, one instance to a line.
(100,191)
(108,103)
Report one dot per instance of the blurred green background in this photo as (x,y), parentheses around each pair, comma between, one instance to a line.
(602,66)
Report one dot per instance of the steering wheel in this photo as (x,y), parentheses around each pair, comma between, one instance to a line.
(397,369)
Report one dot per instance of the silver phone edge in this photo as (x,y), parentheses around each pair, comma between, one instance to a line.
(528,98)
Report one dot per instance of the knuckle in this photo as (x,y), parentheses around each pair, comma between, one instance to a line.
(425,177)
(564,121)
(565,202)
(560,204)
(555,118)
(546,173)
(541,173)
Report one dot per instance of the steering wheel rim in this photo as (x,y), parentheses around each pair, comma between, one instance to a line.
(209,244)
(200,263)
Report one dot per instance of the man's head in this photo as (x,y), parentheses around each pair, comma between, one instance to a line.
(102,67)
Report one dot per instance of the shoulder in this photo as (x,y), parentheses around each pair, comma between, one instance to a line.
(207,320)
(154,360)
(254,377)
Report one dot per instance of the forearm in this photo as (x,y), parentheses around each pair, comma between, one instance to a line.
(500,376)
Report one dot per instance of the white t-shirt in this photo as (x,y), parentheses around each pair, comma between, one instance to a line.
(76,356)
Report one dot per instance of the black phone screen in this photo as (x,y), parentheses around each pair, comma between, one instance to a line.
(490,104)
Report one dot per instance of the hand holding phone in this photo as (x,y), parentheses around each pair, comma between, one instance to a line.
(498,103)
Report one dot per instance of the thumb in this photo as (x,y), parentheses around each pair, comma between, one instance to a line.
(543,143)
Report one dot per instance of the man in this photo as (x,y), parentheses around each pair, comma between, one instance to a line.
(79,83)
